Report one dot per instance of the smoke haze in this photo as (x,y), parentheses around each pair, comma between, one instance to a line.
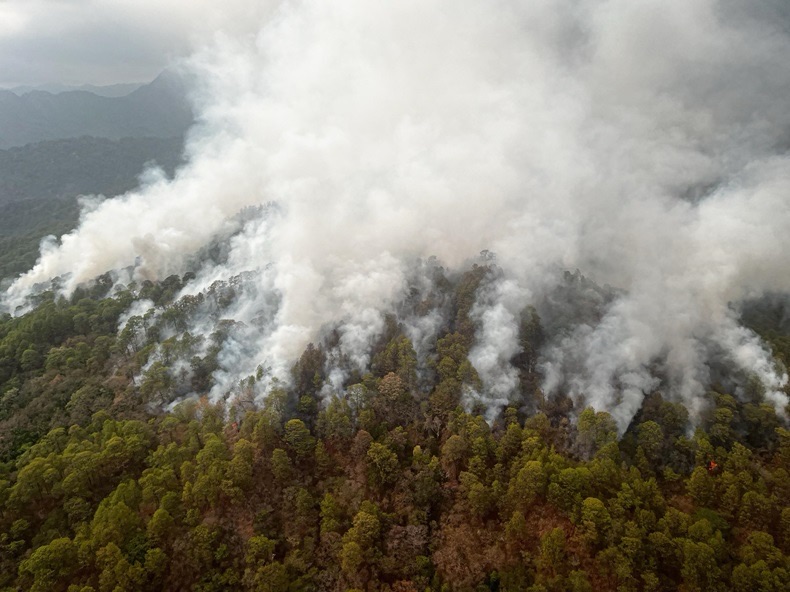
(643,143)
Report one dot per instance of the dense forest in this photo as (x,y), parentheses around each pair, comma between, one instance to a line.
(391,484)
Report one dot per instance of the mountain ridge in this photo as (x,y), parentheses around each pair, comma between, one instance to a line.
(159,109)
(105,90)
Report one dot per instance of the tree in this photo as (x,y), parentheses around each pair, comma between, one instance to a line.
(516,533)
(308,372)
(298,438)
(396,402)
(365,531)
(240,467)
(700,487)
(528,485)
(352,557)
(331,514)
(211,469)
(359,545)
(282,469)
(478,496)
(260,551)
(569,487)
(160,526)
(651,441)
(114,523)
(595,430)
(757,511)
(700,569)
(596,522)
(117,573)
(552,552)
(50,567)
(383,465)
(337,420)
(453,453)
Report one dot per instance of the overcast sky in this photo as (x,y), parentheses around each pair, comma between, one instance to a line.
(112,41)
(108,41)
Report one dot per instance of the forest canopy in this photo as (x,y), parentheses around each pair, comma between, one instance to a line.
(393,483)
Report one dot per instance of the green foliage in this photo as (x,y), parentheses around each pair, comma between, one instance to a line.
(298,437)
(382,465)
(528,485)
(281,466)
(596,430)
(50,566)
(388,485)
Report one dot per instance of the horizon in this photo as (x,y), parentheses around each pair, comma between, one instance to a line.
(58,87)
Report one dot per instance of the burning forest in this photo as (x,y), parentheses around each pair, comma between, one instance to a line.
(521,266)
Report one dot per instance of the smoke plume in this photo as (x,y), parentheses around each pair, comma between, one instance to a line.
(643,143)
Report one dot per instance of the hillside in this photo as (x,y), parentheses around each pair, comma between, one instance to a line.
(39,184)
(448,297)
(388,485)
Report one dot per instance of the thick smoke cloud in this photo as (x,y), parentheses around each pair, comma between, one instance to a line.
(643,143)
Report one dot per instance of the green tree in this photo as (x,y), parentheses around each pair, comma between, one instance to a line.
(282,469)
(552,552)
(596,522)
(298,438)
(528,485)
(453,454)
(383,465)
(49,568)
(700,487)
(700,569)
(160,527)
(651,441)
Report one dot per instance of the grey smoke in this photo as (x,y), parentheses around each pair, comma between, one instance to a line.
(636,141)
(496,312)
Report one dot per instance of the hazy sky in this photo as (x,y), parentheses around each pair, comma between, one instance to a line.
(111,41)
(108,41)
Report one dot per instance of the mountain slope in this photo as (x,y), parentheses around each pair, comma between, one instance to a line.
(81,166)
(39,185)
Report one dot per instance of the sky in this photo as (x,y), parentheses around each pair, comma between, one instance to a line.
(115,41)
(109,41)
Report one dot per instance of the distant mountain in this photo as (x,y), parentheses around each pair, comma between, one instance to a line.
(108,90)
(159,109)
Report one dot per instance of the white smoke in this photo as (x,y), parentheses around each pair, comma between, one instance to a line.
(496,312)
(641,142)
